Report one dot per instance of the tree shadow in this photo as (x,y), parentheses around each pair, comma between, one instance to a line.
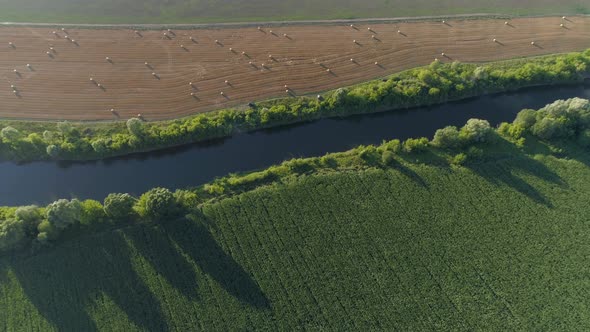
(501,169)
(61,289)
(195,239)
(163,256)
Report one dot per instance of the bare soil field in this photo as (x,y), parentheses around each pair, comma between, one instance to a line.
(233,66)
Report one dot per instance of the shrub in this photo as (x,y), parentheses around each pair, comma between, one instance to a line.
(64,127)
(416,144)
(12,234)
(63,213)
(157,203)
(447,138)
(119,206)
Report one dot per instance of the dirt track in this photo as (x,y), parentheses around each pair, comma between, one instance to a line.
(58,86)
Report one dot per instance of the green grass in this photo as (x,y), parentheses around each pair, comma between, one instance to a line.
(499,244)
(207,11)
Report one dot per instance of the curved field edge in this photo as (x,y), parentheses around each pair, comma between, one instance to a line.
(64,11)
(436,83)
(417,244)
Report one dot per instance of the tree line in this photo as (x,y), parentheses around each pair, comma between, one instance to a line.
(432,84)
(37,227)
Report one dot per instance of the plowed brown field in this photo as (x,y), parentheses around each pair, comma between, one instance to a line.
(58,86)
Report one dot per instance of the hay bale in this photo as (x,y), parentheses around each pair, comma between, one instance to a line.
(376,63)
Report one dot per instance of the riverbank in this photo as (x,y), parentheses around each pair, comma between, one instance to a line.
(437,83)
(553,131)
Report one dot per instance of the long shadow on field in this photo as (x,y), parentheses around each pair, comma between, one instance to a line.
(63,284)
(195,240)
(503,169)
(164,257)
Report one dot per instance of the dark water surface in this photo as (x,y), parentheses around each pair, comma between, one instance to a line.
(43,182)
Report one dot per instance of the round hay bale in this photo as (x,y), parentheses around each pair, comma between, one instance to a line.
(532,43)
(506,23)
(376,63)
(227,82)
(112,110)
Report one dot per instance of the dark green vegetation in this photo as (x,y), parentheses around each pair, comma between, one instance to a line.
(376,237)
(207,11)
(435,83)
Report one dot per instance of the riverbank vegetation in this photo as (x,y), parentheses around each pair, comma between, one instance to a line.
(436,83)
(562,121)
(474,229)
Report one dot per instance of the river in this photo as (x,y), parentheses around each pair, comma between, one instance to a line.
(43,182)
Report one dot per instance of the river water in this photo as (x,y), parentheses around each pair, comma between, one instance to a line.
(43,182)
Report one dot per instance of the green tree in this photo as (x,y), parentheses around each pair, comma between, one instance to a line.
(477,130)
(63,213)
(53,150)
(447,138)
(157,203)
(415,144)
(119,206)
(10,134)
(31,217)
(135,127)
(12,234)
(91,212)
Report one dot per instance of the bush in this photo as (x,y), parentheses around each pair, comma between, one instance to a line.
(119,206)
(416,144)
(447,138)
(63,213)
(156,204)
(12,234)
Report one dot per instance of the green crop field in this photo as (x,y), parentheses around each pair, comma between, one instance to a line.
(206,11)
(498,244)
